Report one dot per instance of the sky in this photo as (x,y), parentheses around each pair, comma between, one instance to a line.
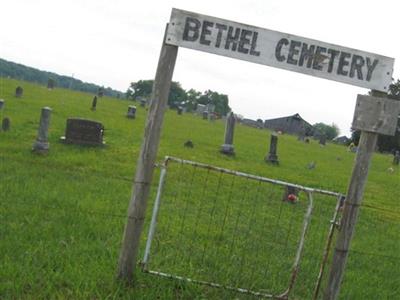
(114,43)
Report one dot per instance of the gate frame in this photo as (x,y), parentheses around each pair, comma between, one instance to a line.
(307,217)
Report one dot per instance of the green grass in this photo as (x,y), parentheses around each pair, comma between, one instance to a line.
(62,215)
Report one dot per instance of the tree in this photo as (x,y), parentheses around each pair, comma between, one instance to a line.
(141,88)
(21,72)
(192,98)
(178,96)
(330,131)
(220,101)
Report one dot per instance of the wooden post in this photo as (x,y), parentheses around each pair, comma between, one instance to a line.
(146,160)
(372,124)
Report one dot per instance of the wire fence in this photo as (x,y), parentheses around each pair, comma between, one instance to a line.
(373,266)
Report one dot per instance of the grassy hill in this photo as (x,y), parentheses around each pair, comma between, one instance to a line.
(62,215)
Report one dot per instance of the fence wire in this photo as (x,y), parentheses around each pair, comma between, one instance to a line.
(373,266)
(238,231)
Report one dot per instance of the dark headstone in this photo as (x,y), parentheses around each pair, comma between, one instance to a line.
(131,112)
(51,84)
(1,104)
(100,92)
(396,158)
(94,103)
(205,115)
(189,144)
(301,137)
(19,92)
(5,124)
(211,116)
(322,140)
(84,132)
(179,110)
(272,156)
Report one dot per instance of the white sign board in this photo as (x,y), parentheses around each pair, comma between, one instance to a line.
(280,50)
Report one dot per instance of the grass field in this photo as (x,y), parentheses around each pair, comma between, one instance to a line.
(62,215)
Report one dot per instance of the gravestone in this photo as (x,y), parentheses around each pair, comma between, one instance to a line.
(272,157)
(5,124)
(51,84)
(311,165)
(211,116)
(396,158)
(100,92)
(322,140)
(1,104)
(143,102)
(301,137)
(83,132)
(210,107)
(19,92)
(131,112)
(205,115)
(188,144)
(227,147)
(94,103)
(200,109)
(41,145)
(179,110)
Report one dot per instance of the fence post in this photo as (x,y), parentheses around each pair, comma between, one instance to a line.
(373,118)
(145,163)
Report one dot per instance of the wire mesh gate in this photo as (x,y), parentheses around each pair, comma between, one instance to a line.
(238,231)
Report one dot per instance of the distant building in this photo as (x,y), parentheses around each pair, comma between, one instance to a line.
(342,140)
(291,124)
(251,123)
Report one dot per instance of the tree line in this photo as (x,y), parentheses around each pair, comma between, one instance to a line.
(22,72)
(181,97)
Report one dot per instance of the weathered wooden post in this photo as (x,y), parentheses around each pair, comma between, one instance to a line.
(41,144)
(272,157)
(227,147)
(373,115)
(145,164)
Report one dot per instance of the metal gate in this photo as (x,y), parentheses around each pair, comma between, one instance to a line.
(238,231)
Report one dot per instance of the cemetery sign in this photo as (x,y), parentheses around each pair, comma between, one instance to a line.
(280,50)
